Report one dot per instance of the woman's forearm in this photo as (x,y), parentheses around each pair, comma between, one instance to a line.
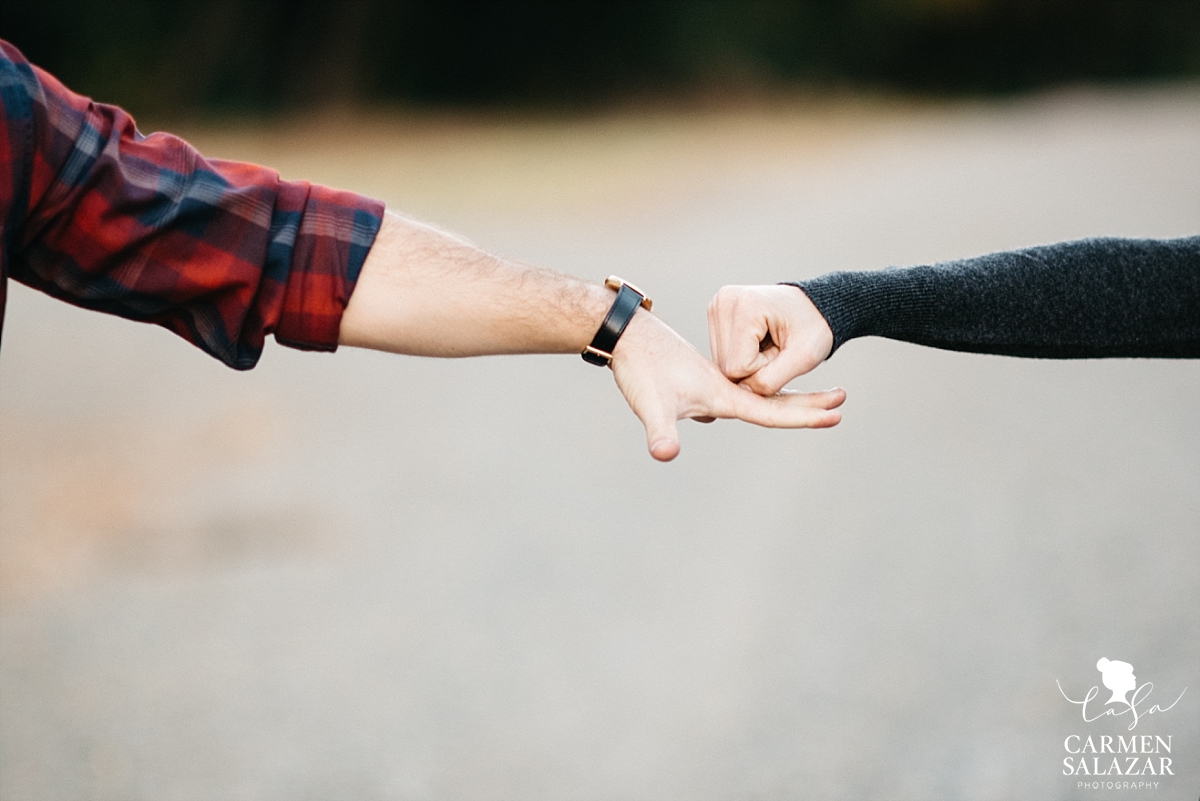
(1084,299)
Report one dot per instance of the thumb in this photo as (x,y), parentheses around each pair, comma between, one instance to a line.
(662,431)
(740,354)
(775,374)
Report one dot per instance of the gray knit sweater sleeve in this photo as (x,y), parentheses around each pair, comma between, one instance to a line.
(1092,298)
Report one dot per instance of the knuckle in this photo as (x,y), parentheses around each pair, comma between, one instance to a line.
(756,383)
(726,295)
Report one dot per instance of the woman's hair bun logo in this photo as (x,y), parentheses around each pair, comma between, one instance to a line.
(1118,677)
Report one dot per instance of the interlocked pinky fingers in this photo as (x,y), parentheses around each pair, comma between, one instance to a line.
(800,410)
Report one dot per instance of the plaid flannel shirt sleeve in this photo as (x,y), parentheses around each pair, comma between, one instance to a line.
(222,253)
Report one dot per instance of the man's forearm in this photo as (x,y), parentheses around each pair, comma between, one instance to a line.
(428,293)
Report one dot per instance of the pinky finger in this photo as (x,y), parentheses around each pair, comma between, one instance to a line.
(787,411)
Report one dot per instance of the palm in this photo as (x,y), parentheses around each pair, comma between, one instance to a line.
(664,379)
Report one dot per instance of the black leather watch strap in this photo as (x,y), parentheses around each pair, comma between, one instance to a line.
(624,306)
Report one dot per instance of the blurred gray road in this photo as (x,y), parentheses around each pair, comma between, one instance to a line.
(372,577)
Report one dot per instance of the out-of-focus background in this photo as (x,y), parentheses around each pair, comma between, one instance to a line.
(367,576)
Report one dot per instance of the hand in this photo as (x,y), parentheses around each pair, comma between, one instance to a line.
(764,336)
(664,379)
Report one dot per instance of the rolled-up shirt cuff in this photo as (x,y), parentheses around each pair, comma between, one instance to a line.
(328,233)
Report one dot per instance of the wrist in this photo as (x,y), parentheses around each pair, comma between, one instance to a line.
(820,339)
(591,304)
(627,302)
(637,335)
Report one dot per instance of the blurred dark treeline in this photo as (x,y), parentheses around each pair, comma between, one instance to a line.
(263,55)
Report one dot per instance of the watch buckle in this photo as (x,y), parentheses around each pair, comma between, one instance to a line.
(597,356)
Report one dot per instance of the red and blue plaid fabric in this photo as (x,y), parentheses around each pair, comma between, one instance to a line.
(221,253)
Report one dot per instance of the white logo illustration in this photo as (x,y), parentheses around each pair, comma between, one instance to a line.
(1118,677)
